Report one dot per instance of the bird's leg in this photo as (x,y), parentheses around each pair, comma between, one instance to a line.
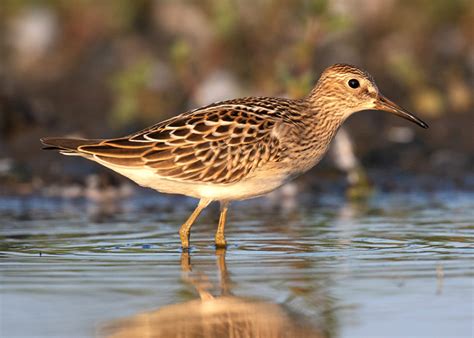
(220,239)
(185,230)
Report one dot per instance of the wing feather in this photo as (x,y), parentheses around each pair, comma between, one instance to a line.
(221,143)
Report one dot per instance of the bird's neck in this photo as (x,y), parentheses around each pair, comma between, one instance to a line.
(326,111)
(324,121)
(326,116)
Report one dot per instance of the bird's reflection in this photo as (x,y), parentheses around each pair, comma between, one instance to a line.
(213,316)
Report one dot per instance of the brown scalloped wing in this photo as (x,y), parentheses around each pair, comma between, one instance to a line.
(215,145)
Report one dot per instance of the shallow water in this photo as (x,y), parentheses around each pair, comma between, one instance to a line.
(397,265)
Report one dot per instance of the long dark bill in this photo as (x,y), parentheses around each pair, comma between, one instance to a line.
(386,105)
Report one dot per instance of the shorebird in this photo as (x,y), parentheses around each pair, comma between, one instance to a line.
(237,149)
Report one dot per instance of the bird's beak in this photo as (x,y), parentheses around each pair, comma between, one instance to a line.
(382,103)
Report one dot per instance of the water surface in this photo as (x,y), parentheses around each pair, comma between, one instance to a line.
(397,265)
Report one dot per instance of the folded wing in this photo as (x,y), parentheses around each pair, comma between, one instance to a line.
(221,144)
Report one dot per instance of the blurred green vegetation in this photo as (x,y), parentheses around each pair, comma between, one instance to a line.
(104,68)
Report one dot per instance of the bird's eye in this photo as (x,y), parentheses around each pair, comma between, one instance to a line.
(353,83)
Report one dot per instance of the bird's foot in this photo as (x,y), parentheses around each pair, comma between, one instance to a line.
(221,243)
(184,240)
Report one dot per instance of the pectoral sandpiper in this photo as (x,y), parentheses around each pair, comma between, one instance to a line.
(237,149)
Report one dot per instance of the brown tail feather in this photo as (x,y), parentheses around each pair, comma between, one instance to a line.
(68,144)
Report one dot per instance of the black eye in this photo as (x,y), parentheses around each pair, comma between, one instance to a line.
(353,83)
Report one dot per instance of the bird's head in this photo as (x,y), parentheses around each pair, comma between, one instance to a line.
(345,89)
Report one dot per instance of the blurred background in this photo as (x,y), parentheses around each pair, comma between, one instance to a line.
(107,68)
(375,241)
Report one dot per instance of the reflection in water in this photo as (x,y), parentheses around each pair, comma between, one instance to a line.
(355,269)
(212,316)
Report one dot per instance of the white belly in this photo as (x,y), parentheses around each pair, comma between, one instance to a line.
(255,186)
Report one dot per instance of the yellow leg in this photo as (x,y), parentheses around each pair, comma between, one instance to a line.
(185,230)
(220,239)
